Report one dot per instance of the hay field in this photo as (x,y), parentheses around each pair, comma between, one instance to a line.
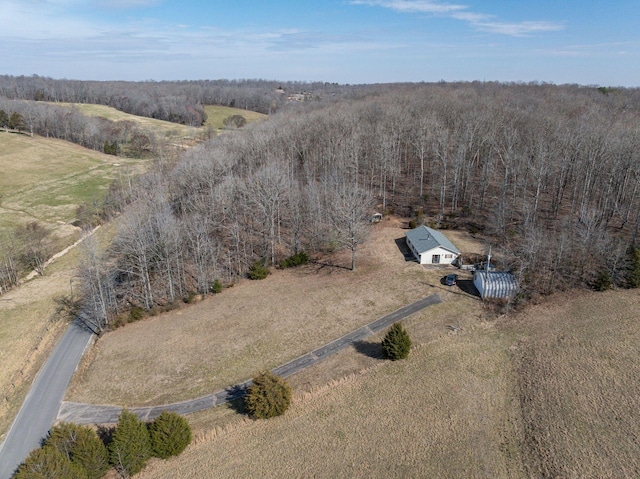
(255,325)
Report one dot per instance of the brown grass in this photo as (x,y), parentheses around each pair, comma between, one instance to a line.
(579,368)
(252,326)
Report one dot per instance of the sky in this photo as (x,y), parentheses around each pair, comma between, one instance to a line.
(588,42)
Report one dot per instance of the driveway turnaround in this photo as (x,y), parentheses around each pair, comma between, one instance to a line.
(98,414)
(41,405)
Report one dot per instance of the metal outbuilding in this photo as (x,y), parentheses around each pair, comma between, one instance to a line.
(495,284)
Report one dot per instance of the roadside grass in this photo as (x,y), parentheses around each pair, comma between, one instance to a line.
(549,392)
(30,327)
(252,326)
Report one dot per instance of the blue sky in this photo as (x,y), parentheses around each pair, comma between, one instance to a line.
(589,42)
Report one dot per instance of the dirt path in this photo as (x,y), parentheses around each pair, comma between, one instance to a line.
(101,414)
(59,254)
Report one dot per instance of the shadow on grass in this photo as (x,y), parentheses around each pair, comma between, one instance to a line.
(238,405)
(401,243)
(371,350)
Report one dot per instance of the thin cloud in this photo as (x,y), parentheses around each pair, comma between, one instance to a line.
(480,21)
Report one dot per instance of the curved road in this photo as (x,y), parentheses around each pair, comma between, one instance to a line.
(40,408)
(44,405)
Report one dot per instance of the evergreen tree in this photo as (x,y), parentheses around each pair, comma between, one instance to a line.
(170,435)
(268,396)
(632,272)
(82,446)
(396,343)
(130,447)
(49,463)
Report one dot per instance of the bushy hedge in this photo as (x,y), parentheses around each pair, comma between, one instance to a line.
(396,343)
(47,462)
(268,396)
(170,435)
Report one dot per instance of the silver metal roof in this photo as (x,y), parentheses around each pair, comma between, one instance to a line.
(425,239)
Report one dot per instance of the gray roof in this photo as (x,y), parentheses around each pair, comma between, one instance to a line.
(425,239)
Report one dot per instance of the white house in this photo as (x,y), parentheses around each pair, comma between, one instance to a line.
(495,284)
(430,246)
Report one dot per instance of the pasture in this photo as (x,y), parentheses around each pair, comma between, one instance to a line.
(46,179)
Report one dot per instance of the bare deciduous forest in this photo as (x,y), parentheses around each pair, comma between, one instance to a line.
(549,175)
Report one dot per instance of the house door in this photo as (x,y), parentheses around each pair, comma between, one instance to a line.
(435,259)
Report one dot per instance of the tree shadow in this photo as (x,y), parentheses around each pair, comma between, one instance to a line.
(328,265)
(105,433)
(402,245)
(369,349)
(235,398)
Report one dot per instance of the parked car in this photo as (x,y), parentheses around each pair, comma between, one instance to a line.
(451,279)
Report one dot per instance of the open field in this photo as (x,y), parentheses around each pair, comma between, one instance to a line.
(215,116)
(254,326)
(551,392)
(45,180)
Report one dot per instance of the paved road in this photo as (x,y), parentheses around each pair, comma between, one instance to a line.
(98,414)
(40,408)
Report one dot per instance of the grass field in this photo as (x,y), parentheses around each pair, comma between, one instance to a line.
(173,131)
(255,325)
(45,180)
(551,391)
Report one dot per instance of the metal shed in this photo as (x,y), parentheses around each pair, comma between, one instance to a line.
(495,284)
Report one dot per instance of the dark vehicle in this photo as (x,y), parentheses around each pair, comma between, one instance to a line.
(451,279)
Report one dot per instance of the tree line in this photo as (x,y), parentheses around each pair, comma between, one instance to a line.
(176,101)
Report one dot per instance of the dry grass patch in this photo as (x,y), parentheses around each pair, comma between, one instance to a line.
(447,411)
(253,326)
(579,368)
(217,113)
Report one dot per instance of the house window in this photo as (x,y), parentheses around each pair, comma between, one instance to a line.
(435,259)
(448,256)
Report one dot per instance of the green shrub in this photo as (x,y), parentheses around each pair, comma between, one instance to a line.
(268,396)
(136,313)
(396,343)
(258,270)
(130,446)
(413,224)
(294,260)
(82,446)
(170,435)
(603,281)
(216,287)
(47,463)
